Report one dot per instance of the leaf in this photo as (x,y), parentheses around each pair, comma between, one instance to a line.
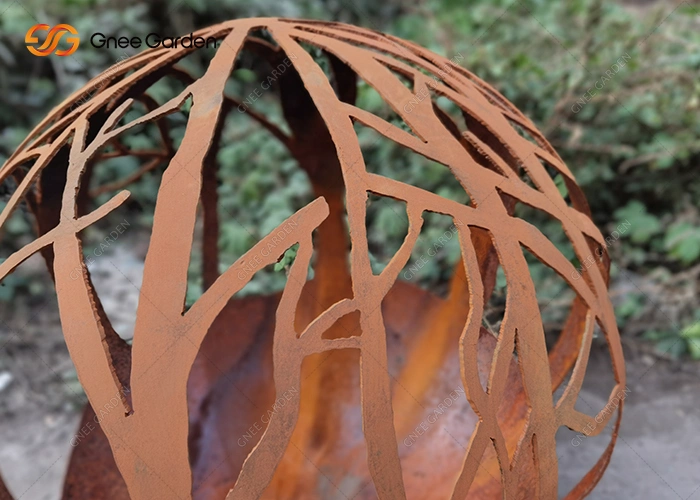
(683,242)
(694,348)
(287,259)
(642,225)
(630,306)
(672,346)
(692,331)
(561,185)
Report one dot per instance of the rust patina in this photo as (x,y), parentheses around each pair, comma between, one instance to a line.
(332,388)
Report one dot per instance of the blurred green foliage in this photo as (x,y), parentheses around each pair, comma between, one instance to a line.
(629,132)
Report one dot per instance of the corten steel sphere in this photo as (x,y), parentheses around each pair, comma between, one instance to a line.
(344,385)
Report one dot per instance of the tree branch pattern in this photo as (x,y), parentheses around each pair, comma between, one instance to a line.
(489,159)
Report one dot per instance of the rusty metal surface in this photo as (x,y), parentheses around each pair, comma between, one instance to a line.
(194,381)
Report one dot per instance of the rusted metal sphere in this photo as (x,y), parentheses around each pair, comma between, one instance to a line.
(343,386)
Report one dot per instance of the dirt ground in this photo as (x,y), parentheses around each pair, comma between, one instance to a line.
(656,456)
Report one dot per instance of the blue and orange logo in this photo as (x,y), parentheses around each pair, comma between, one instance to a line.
(51,43)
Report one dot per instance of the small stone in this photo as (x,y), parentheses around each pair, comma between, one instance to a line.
(5,379)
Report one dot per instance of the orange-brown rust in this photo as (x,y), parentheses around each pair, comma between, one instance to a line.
(356,359)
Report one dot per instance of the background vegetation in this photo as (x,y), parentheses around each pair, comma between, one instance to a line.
(630,132)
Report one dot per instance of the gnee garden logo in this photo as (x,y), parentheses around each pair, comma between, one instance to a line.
(52,39)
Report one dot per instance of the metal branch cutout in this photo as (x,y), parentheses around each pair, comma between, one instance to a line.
(353,384)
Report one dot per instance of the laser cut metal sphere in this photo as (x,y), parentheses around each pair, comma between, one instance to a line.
(237,395)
